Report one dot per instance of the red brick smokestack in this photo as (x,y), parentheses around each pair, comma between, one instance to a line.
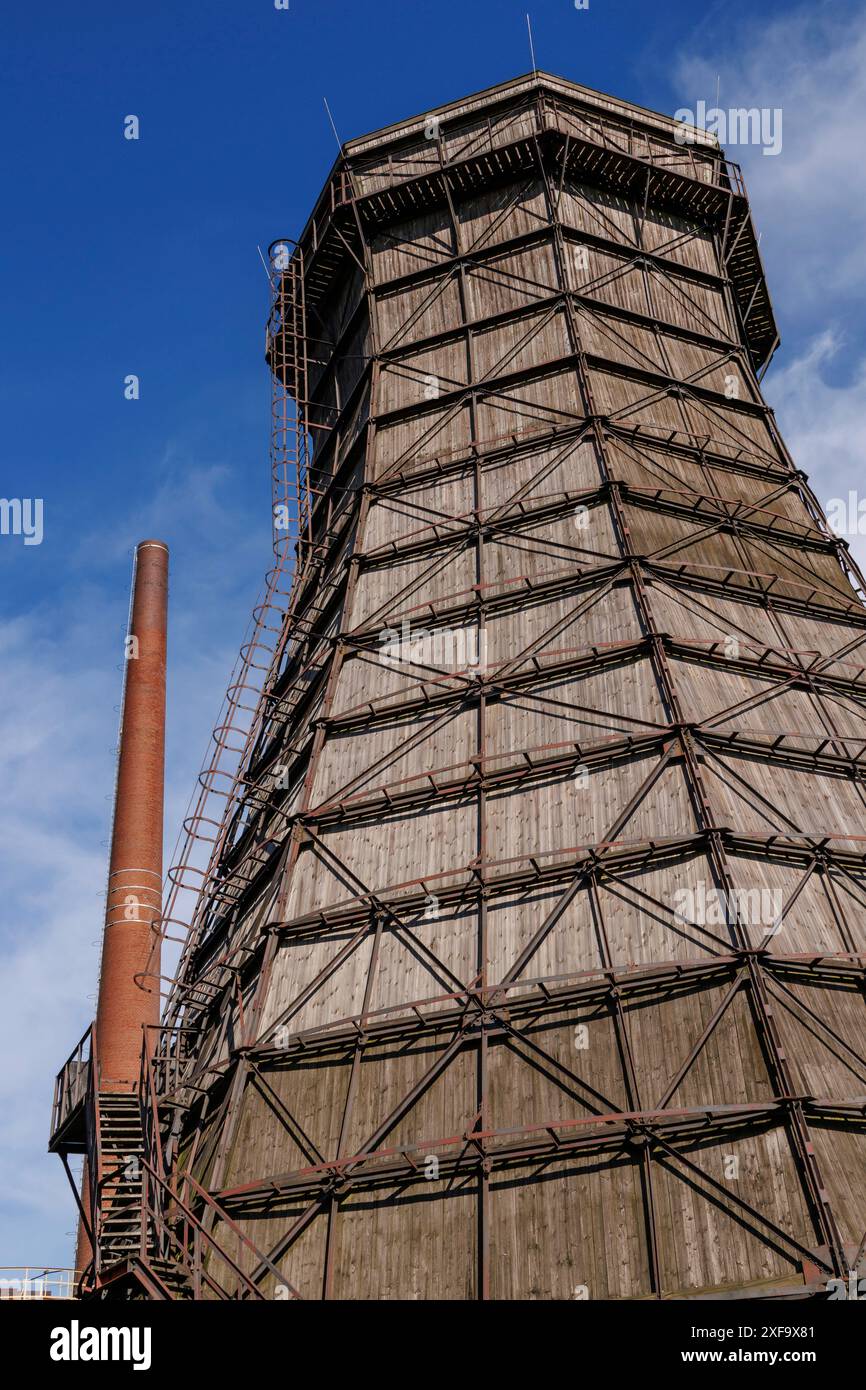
(130,950)
(129,976)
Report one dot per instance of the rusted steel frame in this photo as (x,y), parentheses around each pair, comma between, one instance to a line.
(837,655)
(760,284)
(338,797)
(605,313)
(762,746)
(745,224)
(778,989)
(547,305)
(728,773)
(704,1038)
(606,316)
(275,1103)
(837,909)
(812,543)
(796,848)
(792,897)
(569,447)
(662,189)
(243,1239)
(348,1106)
(702,935)
(774,544)
(662,385)
(360,1036)
(149,1109)
(830,689)
(321,978)
(409,1100)
(495,382)
(414,945)
(381,1029)
(752,598)
(751,702)
(427,538)
(321,733)
(625,852)
(603,585)
(489,385)
(331,1210)
(834,901)
(224,1136)
(811,537)
(151,1282)
(630,170)
(770,354)
(463,528)
(579,989)
(620,1027)
(483,1235)
(318,743)
(342,1166)
(702,531)
(214,1207)
(387,609)
(709,653)
(676,286)
(746,461)
(645,1169)
(481,961)
(586,660)
(633,254)
(551,1067)
(609,1132)
(454,461)
(71,1082)
(722,241)
(839,968)
(435,786)
(695,578)
(739,1203)
(780,1078)
(572,890)
(84,1215)
(478,256)
(750,463)
(695,781)
(179,1178)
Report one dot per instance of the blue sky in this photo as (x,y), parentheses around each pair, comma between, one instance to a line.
(140,257)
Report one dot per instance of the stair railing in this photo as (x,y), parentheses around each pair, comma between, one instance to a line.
(182,1242)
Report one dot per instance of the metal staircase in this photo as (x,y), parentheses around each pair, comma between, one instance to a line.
(122,1147)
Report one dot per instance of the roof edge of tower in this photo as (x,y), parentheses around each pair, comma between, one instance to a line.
(517,86)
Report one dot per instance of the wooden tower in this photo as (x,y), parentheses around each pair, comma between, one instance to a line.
(529,959)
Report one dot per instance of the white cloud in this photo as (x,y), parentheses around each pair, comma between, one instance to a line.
(809,203)
(824,425)
(810,200)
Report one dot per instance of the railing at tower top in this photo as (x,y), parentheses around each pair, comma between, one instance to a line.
(35,1282)
(70,1090)
(698,159)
